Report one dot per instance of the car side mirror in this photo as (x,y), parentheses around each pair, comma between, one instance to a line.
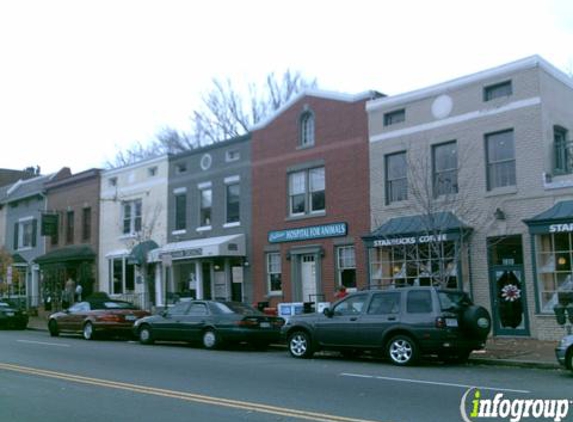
(328,312)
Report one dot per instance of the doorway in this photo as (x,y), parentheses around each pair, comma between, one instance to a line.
(507,286)
(308,277)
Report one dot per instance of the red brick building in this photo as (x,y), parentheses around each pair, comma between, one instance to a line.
(310,198)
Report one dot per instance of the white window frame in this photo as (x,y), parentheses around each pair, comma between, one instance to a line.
(134,206)
(22,224)
(307,129)
(304,187)
(273,265)
(345,262)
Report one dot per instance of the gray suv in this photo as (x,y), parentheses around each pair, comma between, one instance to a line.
(405,323)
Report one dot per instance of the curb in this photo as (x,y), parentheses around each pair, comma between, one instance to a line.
(514,363)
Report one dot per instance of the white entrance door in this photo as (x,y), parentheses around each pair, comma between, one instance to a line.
(308,278)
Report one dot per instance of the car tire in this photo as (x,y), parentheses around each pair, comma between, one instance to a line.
(145,335)
(476,321)
(88,331)
(569,359)
(211,339)
(300,345)
(53,328)
(402,350)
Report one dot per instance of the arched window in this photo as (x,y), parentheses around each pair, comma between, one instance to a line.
(307,129)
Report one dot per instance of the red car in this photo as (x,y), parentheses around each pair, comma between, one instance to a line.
(92,318)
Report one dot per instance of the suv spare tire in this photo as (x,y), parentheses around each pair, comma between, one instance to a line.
(476,321)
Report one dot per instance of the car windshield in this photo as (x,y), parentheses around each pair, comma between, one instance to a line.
(453,299)
(236,308)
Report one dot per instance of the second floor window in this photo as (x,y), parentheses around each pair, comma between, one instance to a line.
(206,206)
(394,117)
(86,224)
(500,159)
(307,129)
(563,151)
(132,217)
(70,227)
(180,211)
(25,233)
(445,167)
(307,191)
(396,177)
(233,203)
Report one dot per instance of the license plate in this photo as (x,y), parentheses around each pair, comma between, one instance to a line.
(451,322)
(130,317)
(265,325)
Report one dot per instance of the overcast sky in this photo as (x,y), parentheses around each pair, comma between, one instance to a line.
(81,79)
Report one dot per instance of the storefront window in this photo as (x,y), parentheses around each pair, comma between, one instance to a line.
(554,253)
(274,276)
(346,266)
(423,264)
(122,276)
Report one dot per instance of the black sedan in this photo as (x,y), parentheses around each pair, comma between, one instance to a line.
(212,323)
(12,316)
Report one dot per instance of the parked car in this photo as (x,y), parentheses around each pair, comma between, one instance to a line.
(91,318)
(564,352)
(210,322)
(12,316)
(404,323)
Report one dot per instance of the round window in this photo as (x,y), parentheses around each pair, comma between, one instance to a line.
(206,161)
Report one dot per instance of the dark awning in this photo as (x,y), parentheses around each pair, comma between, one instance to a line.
(445,224)
(18,259)
(67,254)
(558,218)
(139,252)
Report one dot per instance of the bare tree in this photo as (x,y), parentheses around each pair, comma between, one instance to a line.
(226,111)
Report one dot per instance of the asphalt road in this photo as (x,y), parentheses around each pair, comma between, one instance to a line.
(44,379)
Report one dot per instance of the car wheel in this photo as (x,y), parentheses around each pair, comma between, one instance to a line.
(211,339)
(299,345)
(402,350)
(569,360)
(88,331)
(145,335)
(53,328)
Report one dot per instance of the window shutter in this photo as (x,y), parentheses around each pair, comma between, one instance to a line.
(34,231)
(16,226)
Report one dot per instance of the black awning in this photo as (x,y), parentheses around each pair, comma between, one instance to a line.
(67,254)
(558,218)
(443,223)
(139,252)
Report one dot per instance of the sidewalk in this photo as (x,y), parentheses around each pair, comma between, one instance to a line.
(522,352)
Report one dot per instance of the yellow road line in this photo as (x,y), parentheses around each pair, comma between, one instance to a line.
(198,398)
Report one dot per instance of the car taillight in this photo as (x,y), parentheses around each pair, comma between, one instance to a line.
(440,322)
(247,323)
(109,318)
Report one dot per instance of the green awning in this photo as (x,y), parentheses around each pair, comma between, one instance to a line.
(416,228)
(18,259)
(139,252)
(557,219)
(67,254)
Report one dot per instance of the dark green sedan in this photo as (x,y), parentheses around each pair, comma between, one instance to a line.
(211,323)
(12,316)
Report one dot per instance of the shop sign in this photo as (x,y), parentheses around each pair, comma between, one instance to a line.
(410,240)
(306,233)
(560,228)
(185,253)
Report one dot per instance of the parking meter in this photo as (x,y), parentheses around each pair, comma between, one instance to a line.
(560,314)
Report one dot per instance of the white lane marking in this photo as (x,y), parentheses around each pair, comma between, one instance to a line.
(43,343)
(446,384)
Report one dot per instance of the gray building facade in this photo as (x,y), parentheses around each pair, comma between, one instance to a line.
(209,223)
(471,187)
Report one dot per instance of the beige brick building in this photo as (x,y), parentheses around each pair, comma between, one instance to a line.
(472,186)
